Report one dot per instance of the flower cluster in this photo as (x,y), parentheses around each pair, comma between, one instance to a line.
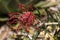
(25,19)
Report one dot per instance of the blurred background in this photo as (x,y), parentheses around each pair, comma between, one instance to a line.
(47,11)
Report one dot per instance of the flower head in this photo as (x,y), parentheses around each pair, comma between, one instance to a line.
(27,18)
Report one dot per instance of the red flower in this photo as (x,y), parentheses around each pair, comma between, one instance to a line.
(27,18)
